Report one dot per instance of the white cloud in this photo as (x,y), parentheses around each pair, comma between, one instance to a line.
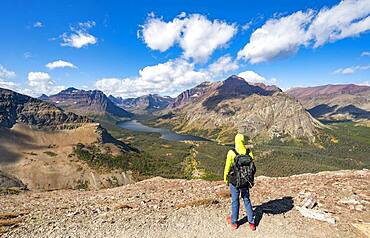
(246,26)
(281,36)
(253,77)
(87,25)
(202,37)
(365,83)
(365,53)
(8,85)
(195,34)
(41,82)
(172,77)
(79,37)
(222,65)
(348,18)
(160,35)
(60,64)
(5,73)
(347,70)
(27,55)
(351,70)
(167,78)
(277,37)
(38,24)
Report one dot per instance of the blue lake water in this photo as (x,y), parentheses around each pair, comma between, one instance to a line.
(166,134)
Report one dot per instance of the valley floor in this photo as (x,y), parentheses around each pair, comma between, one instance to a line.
(192,208)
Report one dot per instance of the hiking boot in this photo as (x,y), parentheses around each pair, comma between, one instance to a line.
(252,226)
(233,226)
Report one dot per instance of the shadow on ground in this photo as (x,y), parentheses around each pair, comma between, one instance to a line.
(273,207)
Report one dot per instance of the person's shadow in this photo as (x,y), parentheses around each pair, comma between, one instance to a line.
(274,207)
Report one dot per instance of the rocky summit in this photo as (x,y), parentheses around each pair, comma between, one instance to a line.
(223,108)
(327,204)
(91,102)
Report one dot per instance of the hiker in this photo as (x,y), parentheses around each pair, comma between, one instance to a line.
(240,183)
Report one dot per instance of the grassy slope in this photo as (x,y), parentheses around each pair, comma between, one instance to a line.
(347,147)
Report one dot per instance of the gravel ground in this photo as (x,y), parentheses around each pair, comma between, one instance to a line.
(192,208)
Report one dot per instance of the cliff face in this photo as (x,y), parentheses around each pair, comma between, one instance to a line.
(15,107)
(224,108)
(87,102)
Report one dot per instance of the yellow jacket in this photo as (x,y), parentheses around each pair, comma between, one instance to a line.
(240,148)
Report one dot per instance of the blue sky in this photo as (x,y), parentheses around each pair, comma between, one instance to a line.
(138,47)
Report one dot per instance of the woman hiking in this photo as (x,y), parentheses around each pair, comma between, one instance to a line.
(236,188)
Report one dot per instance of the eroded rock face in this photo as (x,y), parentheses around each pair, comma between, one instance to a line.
(87,102)
(235,106)
(15,107)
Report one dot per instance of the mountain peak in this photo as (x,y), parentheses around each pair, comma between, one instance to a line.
(87,102)
(43,97)
(234,77)
(70,89)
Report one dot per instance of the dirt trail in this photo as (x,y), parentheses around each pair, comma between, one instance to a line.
(193,208)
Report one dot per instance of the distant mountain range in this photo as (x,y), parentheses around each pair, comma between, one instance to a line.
(218,110)
(86,102)
(335,102)
(143,104)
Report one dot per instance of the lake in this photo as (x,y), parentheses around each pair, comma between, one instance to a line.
(134,125)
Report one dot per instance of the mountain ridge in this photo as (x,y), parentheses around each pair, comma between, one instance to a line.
(86,102)
(15,107)
(335,102)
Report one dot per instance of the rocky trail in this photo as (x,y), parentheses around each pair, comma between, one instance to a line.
(194,208)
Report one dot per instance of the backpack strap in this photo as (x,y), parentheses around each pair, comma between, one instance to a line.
(236,155)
